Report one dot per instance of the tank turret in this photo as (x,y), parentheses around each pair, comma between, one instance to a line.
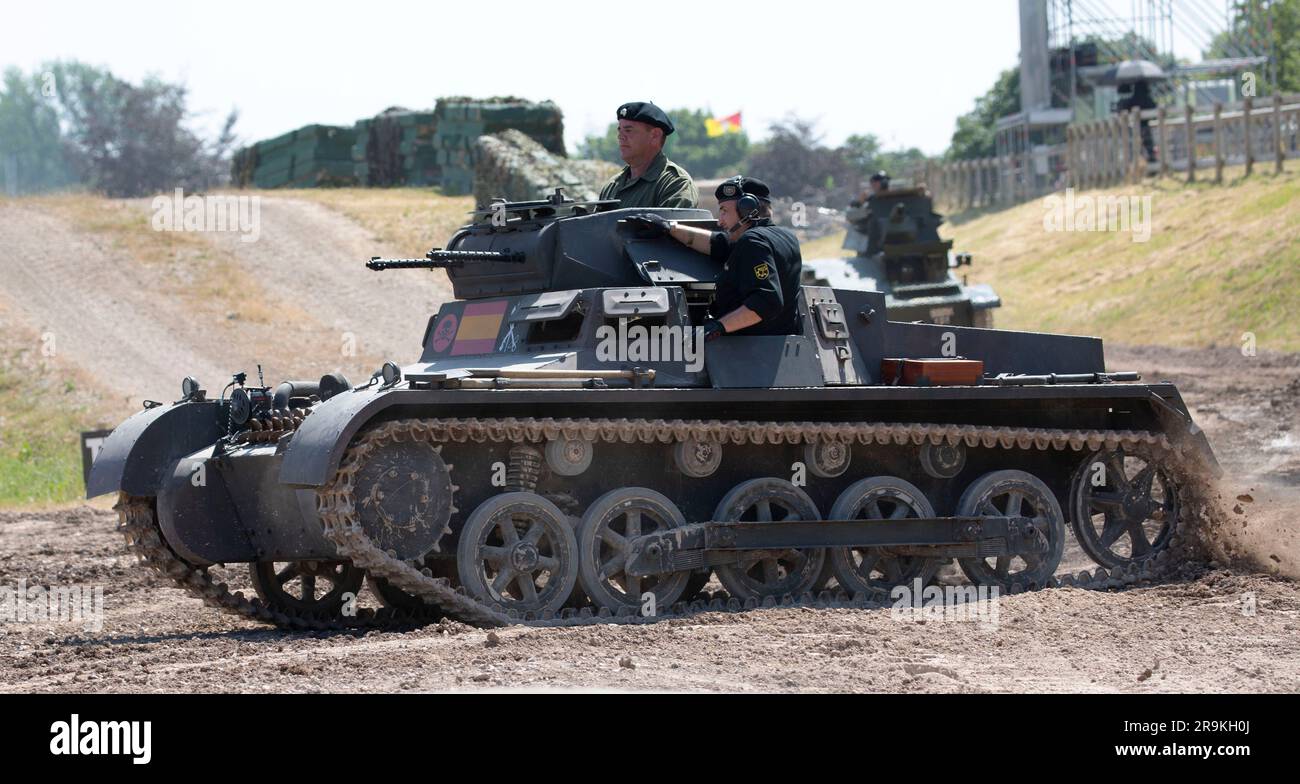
(514,248)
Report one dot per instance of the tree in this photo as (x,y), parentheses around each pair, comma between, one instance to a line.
(795,163)
(1251,25)
(31,152)
(689,145)
(128,140)
(975,136)
(863,154)
(85,125)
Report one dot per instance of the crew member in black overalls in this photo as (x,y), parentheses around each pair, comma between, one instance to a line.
(761,263)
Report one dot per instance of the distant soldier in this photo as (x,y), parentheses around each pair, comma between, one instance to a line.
(761,262)
(879,182)
(860,209)
(649,179)
(1138,96)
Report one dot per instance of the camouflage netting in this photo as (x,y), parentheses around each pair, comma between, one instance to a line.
(514,166)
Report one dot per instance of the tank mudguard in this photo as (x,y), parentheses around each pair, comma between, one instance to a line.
(1176,421)
(317,447)
(137,457)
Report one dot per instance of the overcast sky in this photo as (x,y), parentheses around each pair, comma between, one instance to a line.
(901,69)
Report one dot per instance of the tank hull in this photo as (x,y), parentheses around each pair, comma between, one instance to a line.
(258,502)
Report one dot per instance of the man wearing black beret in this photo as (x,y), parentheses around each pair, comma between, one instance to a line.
(649,179)
(761,262)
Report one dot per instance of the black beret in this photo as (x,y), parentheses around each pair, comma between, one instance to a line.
(646,112)
(734,187)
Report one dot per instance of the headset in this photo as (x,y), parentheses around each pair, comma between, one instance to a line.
(748,205)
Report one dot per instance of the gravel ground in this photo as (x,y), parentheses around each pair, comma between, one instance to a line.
(1188,636)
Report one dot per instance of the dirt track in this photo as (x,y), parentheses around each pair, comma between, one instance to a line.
(1188,636)
(111,314)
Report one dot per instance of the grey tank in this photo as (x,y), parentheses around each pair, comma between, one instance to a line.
(560,445)
(894,238)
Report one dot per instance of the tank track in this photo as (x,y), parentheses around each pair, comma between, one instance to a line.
(138,523)
(337,507)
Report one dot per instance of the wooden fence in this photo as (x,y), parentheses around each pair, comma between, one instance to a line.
(1110,152)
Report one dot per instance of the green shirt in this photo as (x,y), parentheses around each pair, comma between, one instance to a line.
(664,184)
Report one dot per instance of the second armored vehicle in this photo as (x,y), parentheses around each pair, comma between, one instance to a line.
(895,236)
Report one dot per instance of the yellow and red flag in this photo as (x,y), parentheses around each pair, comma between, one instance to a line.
(720,126)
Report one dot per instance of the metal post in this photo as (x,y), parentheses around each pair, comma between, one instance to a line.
(1190,134)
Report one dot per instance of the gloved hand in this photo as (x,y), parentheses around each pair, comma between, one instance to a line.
(651,223)
(713,329)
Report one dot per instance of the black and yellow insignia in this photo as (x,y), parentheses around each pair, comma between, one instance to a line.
(762,271)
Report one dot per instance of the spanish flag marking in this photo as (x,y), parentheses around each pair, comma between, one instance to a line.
(479,324)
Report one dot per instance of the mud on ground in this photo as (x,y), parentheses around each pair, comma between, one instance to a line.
(1184,636)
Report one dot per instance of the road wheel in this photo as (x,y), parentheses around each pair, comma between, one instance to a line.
(1014,494)
(770,573)
(608,527)
(517,551)
(863,570)
(309,588)
(1124,507)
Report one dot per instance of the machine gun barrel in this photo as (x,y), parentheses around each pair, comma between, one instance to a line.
(1011,380)
(441,259)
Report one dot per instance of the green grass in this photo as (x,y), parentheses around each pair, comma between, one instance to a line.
(40,460)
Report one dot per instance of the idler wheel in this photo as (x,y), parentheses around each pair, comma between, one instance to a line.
(317,588)
(862,570)
(1014,494)
(606,531)
(774,573)
(404,498)
(1124,507)
(518,552)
